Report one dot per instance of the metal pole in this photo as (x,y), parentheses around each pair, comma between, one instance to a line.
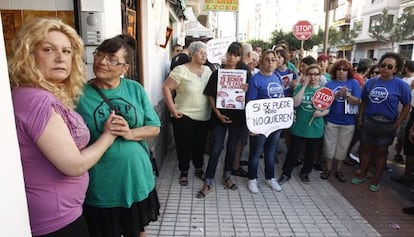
(237,25)
(326,34)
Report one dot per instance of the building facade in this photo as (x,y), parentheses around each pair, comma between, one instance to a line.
(367,13)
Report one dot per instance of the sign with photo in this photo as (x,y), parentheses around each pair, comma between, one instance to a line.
(230,93)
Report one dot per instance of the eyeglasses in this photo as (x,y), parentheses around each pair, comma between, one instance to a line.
(313,74)
(341,69)
(112,60)
(389,66)
(270,60)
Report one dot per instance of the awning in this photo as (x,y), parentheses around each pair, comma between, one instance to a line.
(194,28)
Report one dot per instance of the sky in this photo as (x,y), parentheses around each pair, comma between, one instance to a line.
(281,14)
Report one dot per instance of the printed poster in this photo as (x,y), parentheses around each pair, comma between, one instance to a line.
(230,93)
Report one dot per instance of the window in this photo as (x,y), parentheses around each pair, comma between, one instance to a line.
(377,20)
(406,50)
(374,21)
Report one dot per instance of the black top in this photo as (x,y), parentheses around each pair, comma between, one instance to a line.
(179,59)
(237,116)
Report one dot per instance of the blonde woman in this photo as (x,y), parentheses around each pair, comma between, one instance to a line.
(47,75)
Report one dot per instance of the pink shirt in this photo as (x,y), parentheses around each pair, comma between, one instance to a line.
(54,199)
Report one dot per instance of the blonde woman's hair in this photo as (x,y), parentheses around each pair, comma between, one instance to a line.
(24,72)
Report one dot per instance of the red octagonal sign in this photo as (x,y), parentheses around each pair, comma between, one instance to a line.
(323,98)
(303,30)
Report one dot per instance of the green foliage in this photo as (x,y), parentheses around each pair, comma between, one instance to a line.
(261,43)
(279,35)
(386,30)
(346,36)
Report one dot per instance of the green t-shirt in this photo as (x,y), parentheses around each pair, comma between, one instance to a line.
(124,174)
(304,112)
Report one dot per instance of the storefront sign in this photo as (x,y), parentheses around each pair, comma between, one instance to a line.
(221,5)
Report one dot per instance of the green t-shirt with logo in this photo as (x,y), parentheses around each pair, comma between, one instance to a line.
(124,174)
(301,126)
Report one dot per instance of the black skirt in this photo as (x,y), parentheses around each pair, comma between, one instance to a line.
(112,222)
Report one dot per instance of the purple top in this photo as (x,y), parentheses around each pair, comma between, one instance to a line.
(54,199)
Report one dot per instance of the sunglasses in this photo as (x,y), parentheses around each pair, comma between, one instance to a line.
(313,74)
(388,66)
(375,72)
(342,69)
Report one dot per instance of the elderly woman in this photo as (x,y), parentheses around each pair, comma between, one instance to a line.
(47,75)
(341,120)
(121,197)
(190,110)
(379,117)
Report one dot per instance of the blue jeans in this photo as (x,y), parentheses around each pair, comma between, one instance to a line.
(220,130)
(259,144)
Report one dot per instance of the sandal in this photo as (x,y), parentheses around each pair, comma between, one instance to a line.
(199,173)
(204,191)
(358,180)
(183,179)
(325,174)
(340,176)
(228,183)
(374,188)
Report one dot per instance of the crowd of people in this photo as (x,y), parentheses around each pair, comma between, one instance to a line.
(86,163)
(371,105)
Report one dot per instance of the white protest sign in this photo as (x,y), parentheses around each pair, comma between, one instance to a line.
(217,49)
(230,93)
(268,115)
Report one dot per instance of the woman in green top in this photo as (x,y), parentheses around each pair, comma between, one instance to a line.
(121,197)
(307,128)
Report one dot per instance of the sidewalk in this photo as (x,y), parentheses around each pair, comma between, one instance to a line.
(317,209)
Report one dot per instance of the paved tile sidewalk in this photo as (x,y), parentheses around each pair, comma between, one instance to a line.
(316,209)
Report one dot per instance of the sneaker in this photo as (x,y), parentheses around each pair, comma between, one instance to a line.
(274,184)
(354,157)
(252,185)
(349,161)
(399,159)
(283,178)
(240,172)
(304,178)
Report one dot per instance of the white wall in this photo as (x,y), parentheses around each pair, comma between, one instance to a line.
(14,218)
(156,59)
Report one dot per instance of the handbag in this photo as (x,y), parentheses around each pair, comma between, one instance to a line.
(142,143)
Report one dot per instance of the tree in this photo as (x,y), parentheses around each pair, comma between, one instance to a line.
(345,36)
(261,43)
(386,30)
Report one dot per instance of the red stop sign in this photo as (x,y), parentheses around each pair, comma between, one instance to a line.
(303,30)
(323,98)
